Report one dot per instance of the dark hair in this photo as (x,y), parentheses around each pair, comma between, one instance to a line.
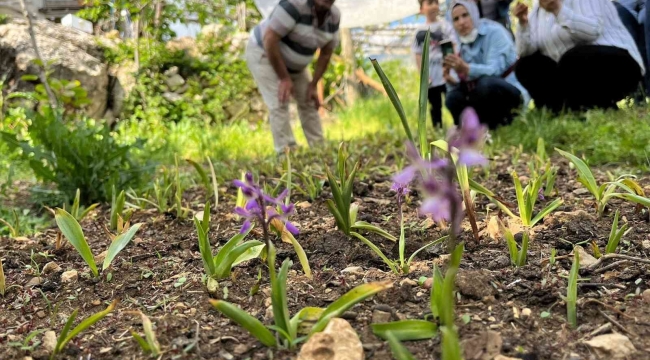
(428,1)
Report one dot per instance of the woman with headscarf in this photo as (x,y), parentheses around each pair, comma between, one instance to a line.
(484,68)
(497,10)
(576,54)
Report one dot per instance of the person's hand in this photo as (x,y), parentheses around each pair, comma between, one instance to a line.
(552,6)
(312,94)
(521,12)
(446,74)
(457,63)
(285,90)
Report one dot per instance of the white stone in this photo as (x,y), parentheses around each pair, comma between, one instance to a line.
(612,346)
(49,341)
(338,341)
(69,276)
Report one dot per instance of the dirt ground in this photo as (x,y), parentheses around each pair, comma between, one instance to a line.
(160,273)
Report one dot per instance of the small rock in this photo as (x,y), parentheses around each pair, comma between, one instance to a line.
(493,229)
(268,315)
(303,205)
(408,282)
(41,314)
(180,306)
(192,312)
(49,341)
(420,294)
(500,262)
(51,267)
(482,347)
(99,258)
(428,283)
(70,276)
(353,270)
(96,302)
(586,259)
(380,317)
(574,356)
(491,319)
(646,244)
(240,349)
(225,355)
(28,358)
(580,191)
(503,357)
(515,312)
(34,282)
(646,296)
(475,283)
(526,313)
(337,341)
(612,346)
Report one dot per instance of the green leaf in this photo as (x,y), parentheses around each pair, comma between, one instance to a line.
(117,208)
(86,212)
(373,247)
(119,244)
(345,302)
(302,256)
(202,174)
(436,292)
(585,176)
(226,249)
(250,254)
(72,231)
(245,320)
(150,335)
(64,333)
(635,199)
(435,242)
(143,344)
(74,211)
(3,283)
(572,291)
(523,253)
(29,77)
(279,300)
(521,201)
(406,330)
(450,344)
(423,103)
(340,222)
(88,322)
(512,245)
(205,249)
(310,314)
(400,352)
(394,98)
(547,210)
(223,268)
(372,228)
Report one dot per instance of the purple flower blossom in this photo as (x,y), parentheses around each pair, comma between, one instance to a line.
(401,189)
(468,139)
(261,207)
(540,194)
(418,165)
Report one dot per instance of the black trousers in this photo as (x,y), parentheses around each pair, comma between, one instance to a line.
(587,77)
(435,100)
(493,98)
(637,30)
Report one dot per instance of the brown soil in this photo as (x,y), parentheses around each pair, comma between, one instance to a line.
(493,294)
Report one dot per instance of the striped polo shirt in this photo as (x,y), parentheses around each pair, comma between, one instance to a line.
(297,23)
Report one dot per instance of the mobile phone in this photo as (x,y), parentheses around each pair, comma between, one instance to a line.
(447,47)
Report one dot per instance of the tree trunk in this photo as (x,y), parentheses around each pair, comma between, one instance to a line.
(347,47)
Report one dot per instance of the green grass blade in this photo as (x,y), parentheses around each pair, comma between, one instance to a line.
(310,314)
(584,173)
(400,352)
(150,335)
(85,324)
(202,174)
(72,231)
(512,245)
(424,98)
(394,98)
(87,211)
(521,201)
(347,189)
(635,199)
(547,210)
(205,249)
(340,222)
(450,344)
(372,228)
(3,283)
(117,208)
(245,320)
(523,253)
(74,211)
(611,247)
(342,207)
(436,292)
(215,184)
(119,244)
(406,330)
(227,248)
(143,344)
(250,253)
(572,291)
(435,242)
(302,256)
(373,247)
(351,298)
(64,333)
(223,269)
(279,300)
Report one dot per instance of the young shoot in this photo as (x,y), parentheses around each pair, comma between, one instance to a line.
(527,198)
(571,298)
(517,256)
(118,204)
(605,192)
(615,235)
(148,344)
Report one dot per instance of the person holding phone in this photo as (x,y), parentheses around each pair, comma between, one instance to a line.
(483,68)
(442,38)
(576,55)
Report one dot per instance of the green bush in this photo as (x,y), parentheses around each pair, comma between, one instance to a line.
(75,153)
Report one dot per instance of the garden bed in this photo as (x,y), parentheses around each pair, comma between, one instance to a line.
(160,274)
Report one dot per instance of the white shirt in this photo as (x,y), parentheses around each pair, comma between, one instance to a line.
(579,22)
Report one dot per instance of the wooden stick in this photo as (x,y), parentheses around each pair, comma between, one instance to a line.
(616,323)
(611,266)
(616,256)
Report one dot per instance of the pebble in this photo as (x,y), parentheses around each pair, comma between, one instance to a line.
(515,312)
(51,267)
(99,258)
(192,312)
(96,302)
(646,244)
(69,276)
(268,302)
(328,290)
(269,313)
(491,319)
(526,313)
(180,306)
(353,270)
(380,317)
(384,308)
(580,191)
(646,296)
(34,282)
(477,318)
(420,294)
(240,349)
(49,341)
(225,355)
(408,282)
(40,314)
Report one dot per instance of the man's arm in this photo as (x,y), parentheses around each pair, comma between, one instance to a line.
(322,63)
(272,47)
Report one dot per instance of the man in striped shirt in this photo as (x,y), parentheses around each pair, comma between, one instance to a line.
(278,53)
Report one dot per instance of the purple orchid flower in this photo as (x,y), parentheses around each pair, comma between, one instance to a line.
(261,207)
(468,139)
(418,166)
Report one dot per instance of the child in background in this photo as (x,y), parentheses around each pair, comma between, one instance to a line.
(440,30)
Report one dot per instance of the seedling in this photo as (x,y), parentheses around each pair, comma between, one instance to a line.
(76,210)
(400,352)
(148,344)
(67,335)
(14,229)
(615,235)
(605,192)
(517,256)
(3,280)
(118,203)
(526,199)
(209,184)
(73,232)
(27,344)
(571,298)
